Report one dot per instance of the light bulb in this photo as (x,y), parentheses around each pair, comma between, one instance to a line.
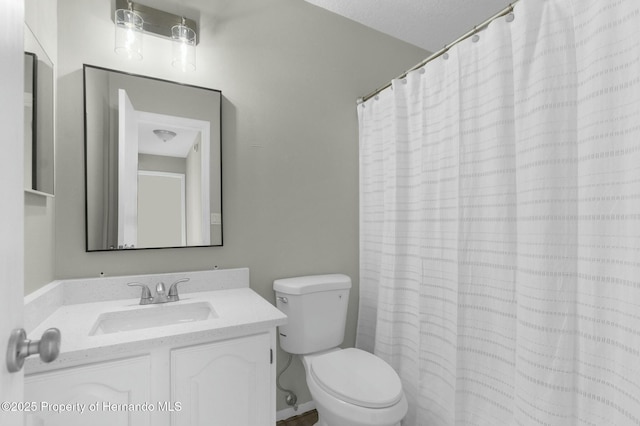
(184,47)
(128,29)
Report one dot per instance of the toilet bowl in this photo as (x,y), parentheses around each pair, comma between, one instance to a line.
(350,387)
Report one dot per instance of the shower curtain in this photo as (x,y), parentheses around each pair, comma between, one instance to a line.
(500,222)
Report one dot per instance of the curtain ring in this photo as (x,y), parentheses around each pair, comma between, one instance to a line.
(445,54)
(475,37)
(510,16)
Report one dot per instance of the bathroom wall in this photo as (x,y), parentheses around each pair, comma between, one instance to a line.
(39,211)
(290,74)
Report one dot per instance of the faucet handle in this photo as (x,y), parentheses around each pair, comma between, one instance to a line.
(145,297)
(173,290)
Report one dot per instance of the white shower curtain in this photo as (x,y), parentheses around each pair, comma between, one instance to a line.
(500,222)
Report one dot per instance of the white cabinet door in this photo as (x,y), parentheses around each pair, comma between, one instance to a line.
(96,395)
(223,384)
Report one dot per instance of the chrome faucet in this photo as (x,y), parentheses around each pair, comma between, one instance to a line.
(161,294)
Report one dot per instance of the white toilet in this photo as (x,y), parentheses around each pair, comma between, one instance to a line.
(350,387)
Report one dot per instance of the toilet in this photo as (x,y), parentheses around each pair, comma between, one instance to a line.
(350,387)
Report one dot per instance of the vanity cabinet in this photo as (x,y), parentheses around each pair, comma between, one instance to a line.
(221,383)
(225,383)
(90,395)
(207,359)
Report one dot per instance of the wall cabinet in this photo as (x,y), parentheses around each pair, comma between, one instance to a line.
(224,383)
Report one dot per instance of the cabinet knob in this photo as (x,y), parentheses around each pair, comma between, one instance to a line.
(20,347)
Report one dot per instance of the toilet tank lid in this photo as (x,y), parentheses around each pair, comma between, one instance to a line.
(312,284)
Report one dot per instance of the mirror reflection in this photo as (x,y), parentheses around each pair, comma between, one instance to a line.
(38,118)
(152,162)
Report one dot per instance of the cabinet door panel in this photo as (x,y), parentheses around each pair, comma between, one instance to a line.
(223,384)
(96,395)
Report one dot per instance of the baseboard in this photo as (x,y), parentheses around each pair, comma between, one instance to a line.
(290,412)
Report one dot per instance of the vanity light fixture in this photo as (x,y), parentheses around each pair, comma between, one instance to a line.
(128,28)
(164,135)
(132,20)
(184,46)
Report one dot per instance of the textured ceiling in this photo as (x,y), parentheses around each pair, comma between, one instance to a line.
(429,24)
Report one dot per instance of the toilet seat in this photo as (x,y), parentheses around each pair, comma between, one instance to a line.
(357,377)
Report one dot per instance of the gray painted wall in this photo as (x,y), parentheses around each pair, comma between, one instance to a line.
(290,74)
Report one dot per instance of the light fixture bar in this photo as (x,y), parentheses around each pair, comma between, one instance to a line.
(157,22)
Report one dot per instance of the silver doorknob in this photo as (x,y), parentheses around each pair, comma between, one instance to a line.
(20,347)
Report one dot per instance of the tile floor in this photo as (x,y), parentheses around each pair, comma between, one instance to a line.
(304,419)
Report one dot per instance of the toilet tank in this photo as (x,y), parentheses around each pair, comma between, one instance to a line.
(317,309)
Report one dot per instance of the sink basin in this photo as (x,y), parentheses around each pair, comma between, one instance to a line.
(152,316)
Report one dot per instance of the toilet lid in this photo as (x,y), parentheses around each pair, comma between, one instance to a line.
(357,377)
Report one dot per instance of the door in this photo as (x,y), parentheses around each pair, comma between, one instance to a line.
(161,209)
(12,196)
(224,383)
(95,391)
(127,172)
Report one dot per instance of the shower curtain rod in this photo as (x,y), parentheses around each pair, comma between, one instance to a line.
(444,50)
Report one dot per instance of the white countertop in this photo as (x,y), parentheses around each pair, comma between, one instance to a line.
(239,312)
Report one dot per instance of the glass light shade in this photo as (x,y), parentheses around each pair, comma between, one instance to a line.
(184,47)
(128,33)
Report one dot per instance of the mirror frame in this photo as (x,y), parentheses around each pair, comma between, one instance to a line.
(32,145)
(86,150)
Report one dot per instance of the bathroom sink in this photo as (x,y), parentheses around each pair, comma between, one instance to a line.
(152,316)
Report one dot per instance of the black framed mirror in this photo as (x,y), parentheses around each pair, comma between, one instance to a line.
(152,162)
